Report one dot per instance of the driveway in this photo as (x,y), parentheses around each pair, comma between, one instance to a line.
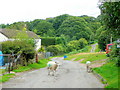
(70,75)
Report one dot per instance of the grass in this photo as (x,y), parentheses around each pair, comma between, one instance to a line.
(87,57)
(42,63)
(97,49)
(110,73)
(6,77)
(85,49)
(2,71)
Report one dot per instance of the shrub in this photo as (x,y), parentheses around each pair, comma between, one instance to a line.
(56,49)
(46,41)
(19,46)
(115,55)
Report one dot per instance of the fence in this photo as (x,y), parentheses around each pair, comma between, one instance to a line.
(10,61)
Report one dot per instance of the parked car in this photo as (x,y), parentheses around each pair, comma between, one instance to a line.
(108,49)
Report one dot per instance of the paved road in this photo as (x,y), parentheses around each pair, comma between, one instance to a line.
(69,75)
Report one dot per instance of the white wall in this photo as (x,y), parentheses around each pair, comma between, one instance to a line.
(3,38)
(38,44)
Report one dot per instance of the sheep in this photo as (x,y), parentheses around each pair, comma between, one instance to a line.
(88,66)
(52,66)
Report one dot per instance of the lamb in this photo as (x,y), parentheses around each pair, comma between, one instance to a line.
(52,66)
(88,66)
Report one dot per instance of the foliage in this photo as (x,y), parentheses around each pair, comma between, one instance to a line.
(97,49)
(6,77)
(85,49)
(55,49)
(46,41)
(41,63)
(59,20)
(103,39)
(18,46)
(75,26)
(73,45)
(115,55)
(76,45)
(111,17)
(110,73)
(65,26)
(42,49)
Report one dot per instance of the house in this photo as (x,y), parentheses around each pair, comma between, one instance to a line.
(10,34)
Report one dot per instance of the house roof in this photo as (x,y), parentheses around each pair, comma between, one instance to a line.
(10,33)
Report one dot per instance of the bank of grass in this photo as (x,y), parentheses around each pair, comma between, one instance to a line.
(6,77)
(85,50)
(87,57)
(110,73)
(2,71)
(41,63)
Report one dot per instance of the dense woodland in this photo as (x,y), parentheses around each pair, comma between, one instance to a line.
(63,29)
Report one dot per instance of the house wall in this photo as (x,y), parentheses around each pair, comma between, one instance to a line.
(38,44)
(3,38)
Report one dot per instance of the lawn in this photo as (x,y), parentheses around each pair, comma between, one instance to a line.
(6,77)
(110,73)
(87,57)
(41,63)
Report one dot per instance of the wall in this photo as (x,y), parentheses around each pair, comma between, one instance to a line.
(3,38)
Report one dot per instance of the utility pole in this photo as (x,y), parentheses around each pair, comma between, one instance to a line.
(111,39)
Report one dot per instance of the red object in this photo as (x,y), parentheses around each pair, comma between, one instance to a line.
(108,48)
(36,58)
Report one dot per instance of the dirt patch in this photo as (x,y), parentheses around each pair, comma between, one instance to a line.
(81,60)
(73,59)
(98,63)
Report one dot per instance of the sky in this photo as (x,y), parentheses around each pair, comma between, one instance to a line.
(27,10)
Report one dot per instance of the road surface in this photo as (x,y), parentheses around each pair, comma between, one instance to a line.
(70,75)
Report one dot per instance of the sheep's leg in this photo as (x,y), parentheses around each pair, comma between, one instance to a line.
(48,71)
(53,72)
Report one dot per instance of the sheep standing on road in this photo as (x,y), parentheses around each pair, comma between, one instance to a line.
(52,66)
(88,66)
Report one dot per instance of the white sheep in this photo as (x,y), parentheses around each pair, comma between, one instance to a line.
(88,66)
(52,66)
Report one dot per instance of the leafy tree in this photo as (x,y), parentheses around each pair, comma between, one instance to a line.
(111,17)
(75,26)
(55,49)
(59,20)
(44,27)
(82,43)
(73,45)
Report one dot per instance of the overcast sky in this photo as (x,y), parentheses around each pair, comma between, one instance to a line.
(28,10)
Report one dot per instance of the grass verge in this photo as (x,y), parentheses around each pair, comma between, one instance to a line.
(87,57)
(6,77)
(42,63)
(110,73)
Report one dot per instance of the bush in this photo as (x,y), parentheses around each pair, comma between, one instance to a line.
(56,49)
(115,55)
(19,46)
(46,41)
(76,44)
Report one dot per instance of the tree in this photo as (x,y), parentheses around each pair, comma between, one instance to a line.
(44,27)
(75,26)
(58,20)
(110,12)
